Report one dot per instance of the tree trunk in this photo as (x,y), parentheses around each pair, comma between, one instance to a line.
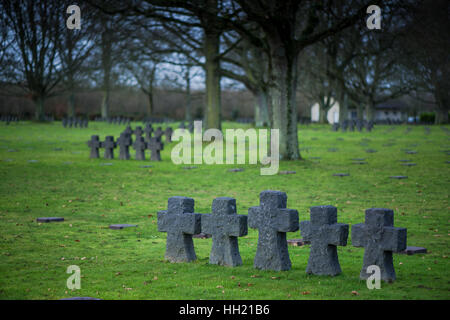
(284,110)
(261,108)
(71,104)
(39,112)
(106,65)
(359,112)
(370,110)
(151,105)
(343,106)
(188,115)
(322,114)
(212,70)
(443,103)
(105,103)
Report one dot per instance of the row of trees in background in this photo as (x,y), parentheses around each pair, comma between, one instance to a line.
(276,49)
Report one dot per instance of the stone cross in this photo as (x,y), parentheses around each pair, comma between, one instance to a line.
(168,133)
(380,238)
(155,146)
(109,146)
(359,125)
(180,222)
(351,125)
(94,144)
(148,131)
(335,127)
(273,221)
(225,226)
(124,143)
(138,131)
(158,132)
(140,145)
(325,234)
(128,130)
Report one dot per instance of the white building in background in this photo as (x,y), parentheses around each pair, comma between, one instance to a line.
(332,114)
(391,111)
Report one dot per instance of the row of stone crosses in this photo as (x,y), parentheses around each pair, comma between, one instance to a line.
(113,120)
(352,124)
(377,235)
(74,122)
(153,143)
(7,118)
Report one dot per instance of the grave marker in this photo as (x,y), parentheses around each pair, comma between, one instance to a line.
(180,222)
(380,238)
(109,144)
(225,226)
(273,220)
(325,234)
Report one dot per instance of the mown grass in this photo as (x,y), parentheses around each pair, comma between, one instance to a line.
(129,264)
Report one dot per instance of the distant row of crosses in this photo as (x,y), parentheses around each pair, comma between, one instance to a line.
(153,143)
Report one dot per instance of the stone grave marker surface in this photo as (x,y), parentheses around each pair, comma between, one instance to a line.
(325,234)
(179,222)
(273,220)
(380,239)
(225,226)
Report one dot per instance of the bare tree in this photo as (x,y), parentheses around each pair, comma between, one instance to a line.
(36,68)
(289,27)
(426,50)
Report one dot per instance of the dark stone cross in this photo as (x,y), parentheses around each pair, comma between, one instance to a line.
(168,133)
(180,222)
(225,226)
(94,144)
(124,143)
(128,130)
(335,127)
(325,234)
(148,131)
(155,146)
(158,133)
(140,145)
(273,220)
(138,132)
(380,238)
(109,146)
(351,126)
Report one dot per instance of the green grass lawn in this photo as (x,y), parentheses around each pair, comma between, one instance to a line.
(129,263)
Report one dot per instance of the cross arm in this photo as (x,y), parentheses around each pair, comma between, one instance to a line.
(253,217)
(287,220)
(237,226)
(191,223)
(394,239)
(337,234)
(305,230)
(207,221)
(163,221)
(358,235)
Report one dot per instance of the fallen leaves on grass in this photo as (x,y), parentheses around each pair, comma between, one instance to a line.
(306,292)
